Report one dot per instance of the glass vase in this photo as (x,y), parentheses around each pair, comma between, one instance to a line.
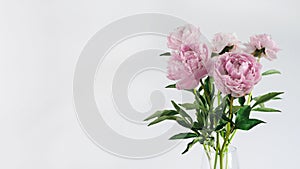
(212,160)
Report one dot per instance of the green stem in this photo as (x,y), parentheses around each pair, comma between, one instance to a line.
(228,132)
(249,98)
(231,137)
(216,160)
(226,158)
(218,138)
(221,160)
(208,155)
(217,151)
(206,151)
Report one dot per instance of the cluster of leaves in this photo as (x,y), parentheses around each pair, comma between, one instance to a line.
(206,117)
(210,119)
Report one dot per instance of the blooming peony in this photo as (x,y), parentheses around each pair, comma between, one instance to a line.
(236,73)
(190,59)
(263,43)
(222,40)
(184,38)
(188,67)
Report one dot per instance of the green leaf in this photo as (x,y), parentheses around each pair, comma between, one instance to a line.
(182,112)
(243,113)
(242,120)
(223,132)
(197,126)
(189,106)
(171,86)
(265,109)
(259,52)
(183,123)
(270,72)
(220,116)
(209,141)
(200,118)
(214,54)
(162,113)
(165,54)
(209,87)
(162,118)
(247,124)
(183,136)
(203,101)
(266,97)
(190,145)
(236,108)
(219,111)
(226,49)
(242,100)
(225,118)
(200,88)
(262,105)
(222,123)
(200,101)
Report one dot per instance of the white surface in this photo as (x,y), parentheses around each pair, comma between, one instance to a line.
(40,42)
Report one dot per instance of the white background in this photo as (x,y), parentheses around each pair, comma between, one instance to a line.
(40,42)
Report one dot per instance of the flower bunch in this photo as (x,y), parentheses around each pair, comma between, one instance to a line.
(221,76)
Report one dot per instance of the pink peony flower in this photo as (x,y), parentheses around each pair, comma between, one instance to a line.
(236,73)
(221,40)
(184,38)
(188,67)
(263,43)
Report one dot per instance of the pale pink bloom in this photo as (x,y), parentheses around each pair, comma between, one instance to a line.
(221,40)
(263,41)
(188,67)
(236,73)
(184,38)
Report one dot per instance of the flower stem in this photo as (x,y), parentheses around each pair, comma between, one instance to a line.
(207,151)
(221,160)
(218,138)
(217,151)
(226,158)
(228,132)
(249,98)
(231,137)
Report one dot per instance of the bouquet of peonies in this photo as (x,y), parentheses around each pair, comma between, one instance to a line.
(221,76)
